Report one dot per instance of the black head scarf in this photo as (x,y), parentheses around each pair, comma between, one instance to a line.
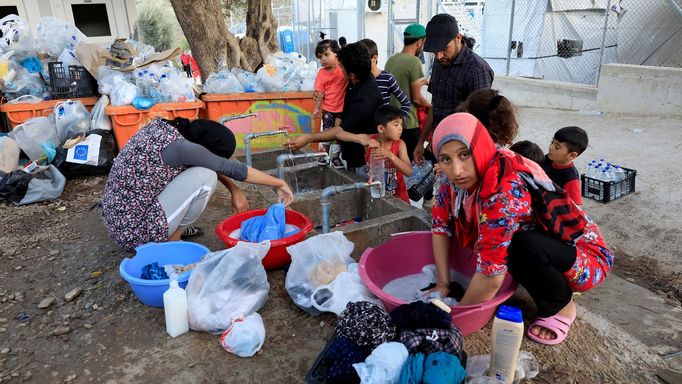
(213,136)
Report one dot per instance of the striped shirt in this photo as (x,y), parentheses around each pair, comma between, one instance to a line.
(387,86)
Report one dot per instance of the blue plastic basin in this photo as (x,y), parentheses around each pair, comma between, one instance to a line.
(150,292)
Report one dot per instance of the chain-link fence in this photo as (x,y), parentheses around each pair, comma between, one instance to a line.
(558,40)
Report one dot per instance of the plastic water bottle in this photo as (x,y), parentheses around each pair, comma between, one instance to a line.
(619,172)
(377,173)
(154,87)
(175,308)
(164,89)
(142,84)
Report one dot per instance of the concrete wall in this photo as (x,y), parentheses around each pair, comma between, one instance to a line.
(546,94)
(640,89)
(622,89)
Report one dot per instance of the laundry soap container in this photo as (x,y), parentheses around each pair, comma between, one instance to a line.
(175,308)
(507,336)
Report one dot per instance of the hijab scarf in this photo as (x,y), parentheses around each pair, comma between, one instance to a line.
(488,160)
(213,136)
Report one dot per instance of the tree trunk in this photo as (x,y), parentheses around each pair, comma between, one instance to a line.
(262,26)
(211,43)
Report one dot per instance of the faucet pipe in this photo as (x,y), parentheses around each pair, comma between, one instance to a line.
(328,192)
(253,135)
(236,117)
(284,157)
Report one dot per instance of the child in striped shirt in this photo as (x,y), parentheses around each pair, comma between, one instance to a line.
(385,81)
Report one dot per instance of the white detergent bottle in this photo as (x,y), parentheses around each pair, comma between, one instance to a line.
(175,308)
(507,336)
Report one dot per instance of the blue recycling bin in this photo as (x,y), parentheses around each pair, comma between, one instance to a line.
(286,40)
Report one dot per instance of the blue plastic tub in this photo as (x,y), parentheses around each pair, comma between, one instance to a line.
(150,292)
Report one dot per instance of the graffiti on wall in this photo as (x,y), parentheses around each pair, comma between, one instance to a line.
(271,116)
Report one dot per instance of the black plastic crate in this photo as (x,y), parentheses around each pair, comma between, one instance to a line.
(605,191)
(78,83)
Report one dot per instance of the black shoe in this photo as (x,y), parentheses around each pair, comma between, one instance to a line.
(191,231)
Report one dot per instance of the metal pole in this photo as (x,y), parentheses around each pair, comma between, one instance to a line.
(309,31)
(676,6)
(509,40)
(603,40)
(360,4)
(391,31)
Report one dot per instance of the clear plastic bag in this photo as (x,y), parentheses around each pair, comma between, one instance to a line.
(315,262)
(24,83)
(16,36)
(248,80)
(32,134)
(245,336)
(346,288)
(70,119)
(98,117)
(55,35)
(222,82)
(107,79)
(227,284)
(123,93)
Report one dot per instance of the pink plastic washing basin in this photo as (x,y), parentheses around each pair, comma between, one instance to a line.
(407,254)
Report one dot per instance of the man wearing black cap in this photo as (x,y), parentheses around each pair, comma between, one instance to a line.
(407,70)
(457,72)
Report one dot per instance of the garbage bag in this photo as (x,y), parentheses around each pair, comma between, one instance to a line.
(108,79)
(222,82)
(248,80)
(346,288)
(271,226)
(227,284)
(174,86)
(70,119)
(9,154)
(315,262)
(34,132)
(22,188)
(16,36)
(55,35)
(85,166)
(123,93)
(24,83)
(98,117)
(245,336)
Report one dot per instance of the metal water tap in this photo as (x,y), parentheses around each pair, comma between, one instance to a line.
(334,190)
(281,159)
(254,135)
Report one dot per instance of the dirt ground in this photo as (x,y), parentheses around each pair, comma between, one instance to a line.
(106,335)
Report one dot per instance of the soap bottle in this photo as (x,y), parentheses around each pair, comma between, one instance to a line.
(175,308)
(507,336)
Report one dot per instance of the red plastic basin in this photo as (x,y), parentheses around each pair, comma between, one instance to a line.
(407,254)
(277,256)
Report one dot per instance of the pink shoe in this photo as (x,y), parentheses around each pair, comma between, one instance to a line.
(558,324)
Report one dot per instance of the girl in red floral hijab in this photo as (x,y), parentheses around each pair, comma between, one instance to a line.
(486,205)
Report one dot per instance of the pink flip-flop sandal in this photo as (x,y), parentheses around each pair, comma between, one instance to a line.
(558,324)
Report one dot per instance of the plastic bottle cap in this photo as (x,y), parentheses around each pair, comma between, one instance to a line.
(510,313)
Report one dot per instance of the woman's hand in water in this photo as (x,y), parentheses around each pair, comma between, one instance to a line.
(443,289)
(285,195)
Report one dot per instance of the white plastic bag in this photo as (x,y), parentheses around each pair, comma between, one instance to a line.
(222,82)
(123,93)
(34,132)
(346,288)
(16,36)
(70,118)
(86,152)
(9,154)
(98,117)
(55,35)
(315,262)
(107,79)
(226,285)
(245,336)
(527,367)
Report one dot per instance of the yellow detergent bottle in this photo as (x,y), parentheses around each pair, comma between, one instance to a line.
(507,337)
